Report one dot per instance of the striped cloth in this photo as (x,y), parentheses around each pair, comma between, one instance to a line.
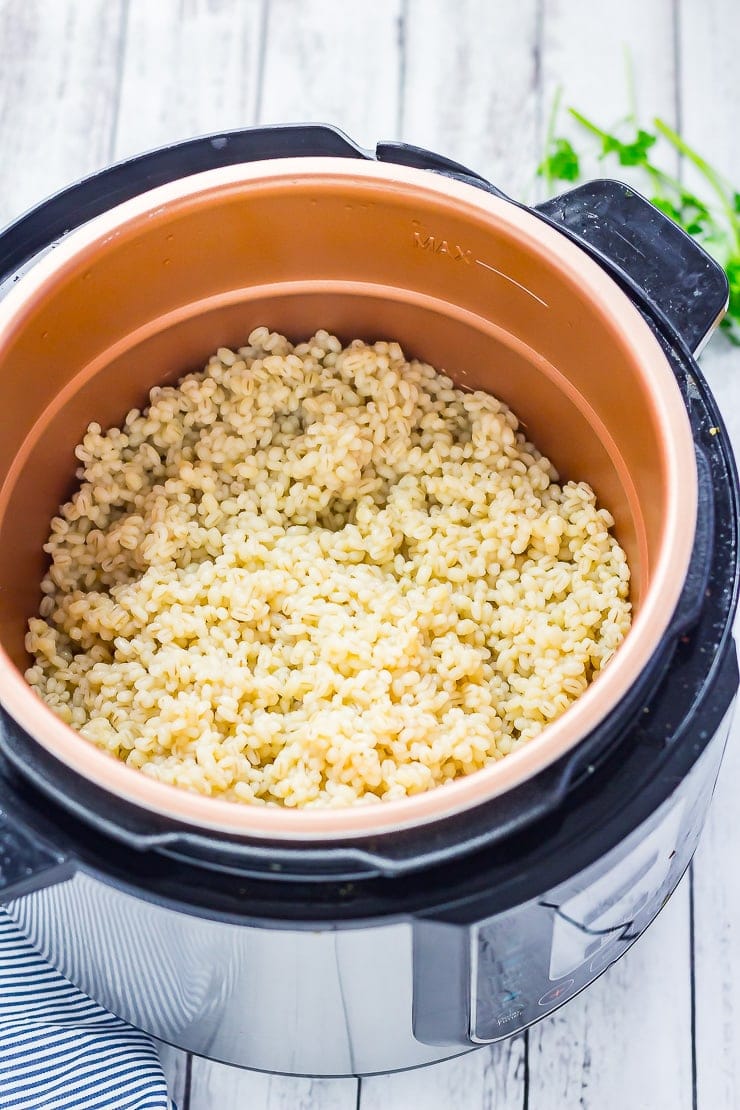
(61,1051)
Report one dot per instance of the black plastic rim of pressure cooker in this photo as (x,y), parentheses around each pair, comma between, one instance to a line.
(655,726)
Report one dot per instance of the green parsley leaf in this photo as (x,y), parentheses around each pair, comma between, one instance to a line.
(629,154)
(562,162)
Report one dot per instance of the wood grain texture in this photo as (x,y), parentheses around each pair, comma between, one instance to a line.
(710,93)
(490,1078)
(707,41)
(59,74)
(332,62)
(586,49)
(217,1087)
(471,85)
(190,67)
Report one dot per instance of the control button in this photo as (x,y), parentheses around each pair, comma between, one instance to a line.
(556,994)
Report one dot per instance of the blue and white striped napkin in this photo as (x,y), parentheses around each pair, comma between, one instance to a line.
(61,1051)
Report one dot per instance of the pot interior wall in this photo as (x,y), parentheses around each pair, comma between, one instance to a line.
(456,288)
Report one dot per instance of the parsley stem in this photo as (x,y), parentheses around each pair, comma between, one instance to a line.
(589,126)
(664,178)
(629,76)
(708,173)
(550,138)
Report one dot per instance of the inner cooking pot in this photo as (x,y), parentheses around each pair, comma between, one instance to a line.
(461,278)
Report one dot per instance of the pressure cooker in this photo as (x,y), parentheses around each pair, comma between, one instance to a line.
(348,941)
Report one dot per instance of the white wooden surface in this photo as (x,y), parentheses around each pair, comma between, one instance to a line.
(85,81)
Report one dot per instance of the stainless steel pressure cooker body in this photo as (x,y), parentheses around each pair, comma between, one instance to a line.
(364,939)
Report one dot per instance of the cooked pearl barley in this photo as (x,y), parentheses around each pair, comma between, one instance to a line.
(313,576)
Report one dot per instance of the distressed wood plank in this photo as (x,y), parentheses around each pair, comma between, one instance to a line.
(626,1041)
(217,1086)
(471,90)
(488,1077)
(331,62)
(192,66)
(585,49)
(707,46)
(59,73)
(710,91)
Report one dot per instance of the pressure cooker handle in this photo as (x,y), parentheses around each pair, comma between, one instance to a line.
(644,250)
(647,253)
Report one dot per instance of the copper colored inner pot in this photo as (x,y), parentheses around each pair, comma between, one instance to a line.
(463,280)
